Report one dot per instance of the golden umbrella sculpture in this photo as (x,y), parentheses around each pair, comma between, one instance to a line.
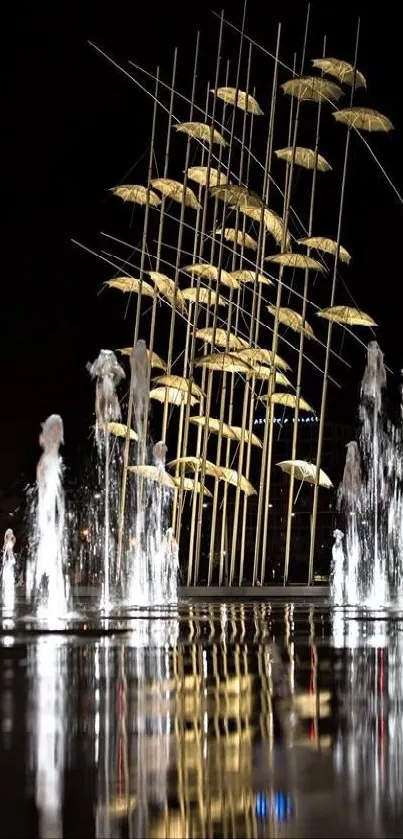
(363,119)
(260,371)
(231,432)
(259,354)
(189,485)
(240,99)
(220,473)
(241,239)
(289,400)
(153,473)
(199,174)
(201,131)
(272,222)
(207,271)
(305,471)
(180,383)
(306,158)
(312,89)
(166,288)
(154,359)
(296,260)
(237,196)
(321,243)
(340,70)
(293,319)
(221,338)
(119,429)
(347,315)
(243,275)
(173,395)
(130,285)
(176,191)
(205,296)
(137,194)
(225,363)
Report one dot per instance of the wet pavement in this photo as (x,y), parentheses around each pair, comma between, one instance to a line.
(205,720)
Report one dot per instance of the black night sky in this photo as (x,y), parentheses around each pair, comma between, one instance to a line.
(74,127)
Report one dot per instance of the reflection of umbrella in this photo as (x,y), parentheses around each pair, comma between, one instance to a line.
(173,395)
(153,473)
(312,88)
(137,194)
(154,359)
(304,471)
(304,157)
(129,285)
(176,191)
(347,315)
(341,70)
(240,98)
(204,296)
(221,473)
(221,338)
(292,319)
(201,131)
(166,288)
(321,243)
(242,239)
(207,271)
(243,275)
(181,383)
(363,119)
(199,174)
(289,400)
(296,260)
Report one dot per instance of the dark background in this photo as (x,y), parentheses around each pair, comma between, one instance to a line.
(74,127)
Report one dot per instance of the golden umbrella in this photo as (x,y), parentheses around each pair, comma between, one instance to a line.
(201,131)
(118,429)
(210,272)
(237,196)
(231,432)
(166,288)
(272,222)
(321,243)
(204,296)
(341,70)
(181,383)
(296,260)
(255,354)
(154,359)
(363,119)
(189,485)
(347,315)
(306,158)
(220,473)
(254,440)
(153,473)
(243,275)
(304,471)
(137,194)
(173,395)
(292,319)
(129,285)
(199,175)
(221,338)
(289,400)
(242,239)
(224,363)
(176,191)
(260,371)
(240,99)
(313,89)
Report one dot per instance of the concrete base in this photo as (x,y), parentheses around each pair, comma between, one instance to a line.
(254,592)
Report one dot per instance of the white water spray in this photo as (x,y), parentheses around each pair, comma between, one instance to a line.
(8,571)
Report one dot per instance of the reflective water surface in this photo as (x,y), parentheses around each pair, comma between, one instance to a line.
(206,720)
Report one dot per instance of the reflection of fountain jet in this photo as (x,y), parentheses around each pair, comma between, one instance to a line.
(369,748)
(371,497)
(47,714)
(47,584)
(8,571)
(108,373)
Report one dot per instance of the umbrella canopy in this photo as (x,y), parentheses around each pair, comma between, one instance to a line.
(312,88)
(169,290)
(201,131)
(176,191)
(239,98)
(292,319)
(130,285)
(340,70)
(304,471)
(153,473)
(200,174)
(321,243)
(137,194)
(347,315)
(363,119)
(307,158)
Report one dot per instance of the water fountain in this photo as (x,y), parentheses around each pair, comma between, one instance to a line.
(47,581)
(371,498)
(8,571)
